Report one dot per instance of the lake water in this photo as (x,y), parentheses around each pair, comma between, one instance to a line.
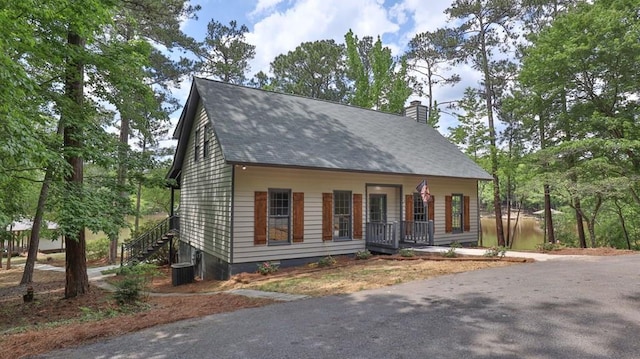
(527,235)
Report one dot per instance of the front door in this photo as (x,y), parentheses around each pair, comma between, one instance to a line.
(378,208)
(377,217)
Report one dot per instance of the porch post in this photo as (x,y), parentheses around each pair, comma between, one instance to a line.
(172,202)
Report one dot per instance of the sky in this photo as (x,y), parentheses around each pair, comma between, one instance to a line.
(278,26)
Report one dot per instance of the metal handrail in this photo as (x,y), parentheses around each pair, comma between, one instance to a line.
(146,240)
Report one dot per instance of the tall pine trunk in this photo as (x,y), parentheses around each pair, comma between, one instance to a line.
(77,281)
(493,150)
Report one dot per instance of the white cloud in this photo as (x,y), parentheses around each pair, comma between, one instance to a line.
(264,6)
(310,20)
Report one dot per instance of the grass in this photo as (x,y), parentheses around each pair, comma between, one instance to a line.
(374,274)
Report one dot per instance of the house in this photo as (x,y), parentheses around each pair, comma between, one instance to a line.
(265,176)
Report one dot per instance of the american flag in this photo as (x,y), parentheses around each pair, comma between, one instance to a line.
(423,189)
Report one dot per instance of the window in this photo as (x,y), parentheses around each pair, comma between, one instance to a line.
(456,213)
(342,215)
(419,210)
(279,216)
(196,145)
(207,138)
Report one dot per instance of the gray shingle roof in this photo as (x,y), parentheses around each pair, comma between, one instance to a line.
(261,127)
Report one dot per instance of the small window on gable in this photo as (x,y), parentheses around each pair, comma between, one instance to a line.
(196,145)
(207,138)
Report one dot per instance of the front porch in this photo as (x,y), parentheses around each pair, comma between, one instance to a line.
(387,227)
(389,237)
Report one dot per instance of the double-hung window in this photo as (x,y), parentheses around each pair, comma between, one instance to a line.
(342,215)
(279,225)
(457,212)
(207,138)
(419,209)
(196,145)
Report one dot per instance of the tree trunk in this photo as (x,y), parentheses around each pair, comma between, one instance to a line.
(582,239)
(497,204)
(10,251)
(77,282)
(122,179)
(136,225)
(34,239)
(548,216)
(622,223)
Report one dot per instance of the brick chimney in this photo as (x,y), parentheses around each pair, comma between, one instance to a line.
(416,111)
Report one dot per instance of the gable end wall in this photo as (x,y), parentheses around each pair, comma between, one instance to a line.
(205,201)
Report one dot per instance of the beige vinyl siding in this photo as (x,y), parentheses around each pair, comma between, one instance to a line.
(441,187)
(313,183)
(205,195)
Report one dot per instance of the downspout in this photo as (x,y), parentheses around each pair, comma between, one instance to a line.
(478,220)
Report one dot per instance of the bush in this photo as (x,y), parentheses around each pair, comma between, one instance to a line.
(363,254)
(137,278)
(496,252)
(267,267)
(98,249)
(327,261)
(406,252)
(451,252)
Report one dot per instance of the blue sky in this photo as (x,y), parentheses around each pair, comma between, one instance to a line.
(278,26)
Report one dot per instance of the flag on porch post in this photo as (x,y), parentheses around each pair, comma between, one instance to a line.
(423,189)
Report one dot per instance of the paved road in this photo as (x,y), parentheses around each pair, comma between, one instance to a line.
(573,308)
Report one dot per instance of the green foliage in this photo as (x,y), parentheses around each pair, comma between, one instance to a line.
(380,82)
(549,247)
(314,69)
(451,252)
(366,254)
(406,252)
(268,267)
(98,249)
(137,278)
(327,261)
(498,251)
(226,52)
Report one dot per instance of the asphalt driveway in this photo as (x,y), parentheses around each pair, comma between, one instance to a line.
(573,308)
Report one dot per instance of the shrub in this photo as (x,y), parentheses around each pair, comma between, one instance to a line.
(496,252)
(406,252)
(548,247)
(267,267)
(363,254)
(327,261)
(98,249)
(137,278)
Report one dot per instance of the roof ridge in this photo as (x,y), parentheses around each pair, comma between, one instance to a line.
(301,97)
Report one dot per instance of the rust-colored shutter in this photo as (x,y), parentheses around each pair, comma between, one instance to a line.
(408,208)
(408,213)
(467,211)
(298,217)
(260,218)
(357,216)
(432,210)
(327,216)
(447,214)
